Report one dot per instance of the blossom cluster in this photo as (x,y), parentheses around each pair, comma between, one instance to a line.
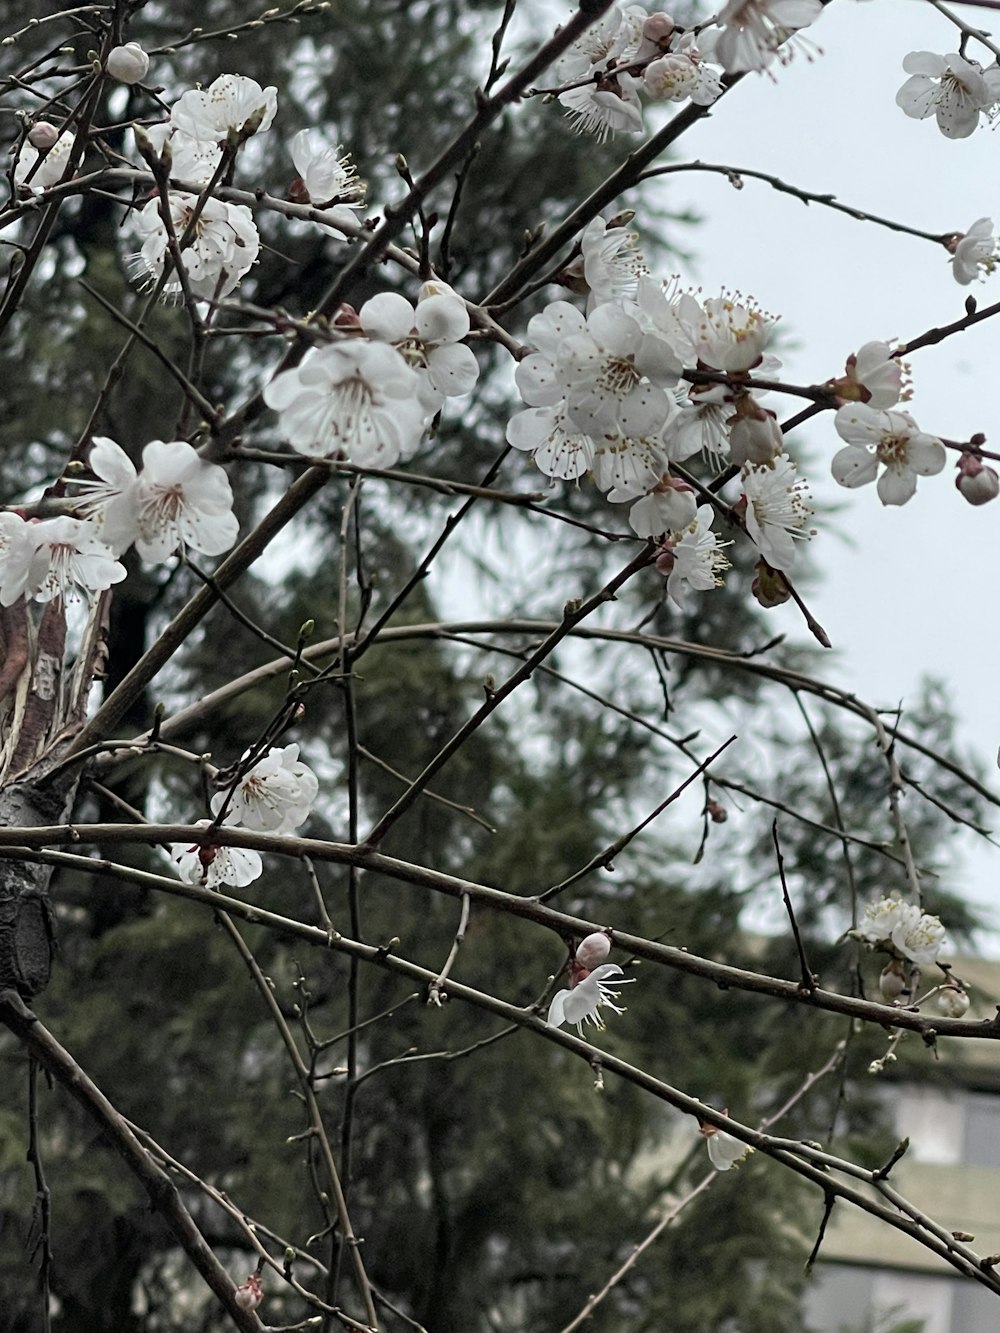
(605,396)
(369,395)
(630,53)
(902,929)
(275,795)
(177,501)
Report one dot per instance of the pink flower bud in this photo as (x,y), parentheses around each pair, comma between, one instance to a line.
(656,33)
(665,559)
(717,813)
(978,483)
(43,135)
(128,63)
(594,950)
(250,1294)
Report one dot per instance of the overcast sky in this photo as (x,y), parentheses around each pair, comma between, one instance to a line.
(914,589)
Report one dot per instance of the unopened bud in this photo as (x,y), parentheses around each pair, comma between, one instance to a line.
(755,436)
(346,317)
(594,950)
(978,483)
(43,135)
(665,563)
(717,813)
(128,63)
(952,1001)
(892,983)
(656,33)
(250,1293)
(768,587)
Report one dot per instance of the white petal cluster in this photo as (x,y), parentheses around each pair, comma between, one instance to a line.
(901,926)
(45,169)
(724,1151)
(326,175)
(176,501)
(778,510)
(669,506)
(628,52)
(873,376)
(216,257)
(609,264)
(693,559)
(214,866)
(596,389)
(597,990)
(353,398)
(46,560)
(954,90)
(753,31)
(274,796)
(975,252)
(229,110)
(429,337)
(684,71)
(892,439)
(606,100)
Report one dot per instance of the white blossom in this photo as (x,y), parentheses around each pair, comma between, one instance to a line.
(326,174)
(49,170)
(223,112)
(212,865)
(753,30)
(429,337)
(15,556)
(353,397)
(893,439)
(614,374)
(872,376)
(899,924)
(701,425)
(274,796)
(218,256)
(557,448)
(177,500)
(608,266)
(628,464)
(693,559)
(605,100)
(584,1002)
(128,63)
(975,252)
(730,332)
(191,161)
(724,1151)
(952,89)
(683,71)
(778,510)
(44,560)
(669,506)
